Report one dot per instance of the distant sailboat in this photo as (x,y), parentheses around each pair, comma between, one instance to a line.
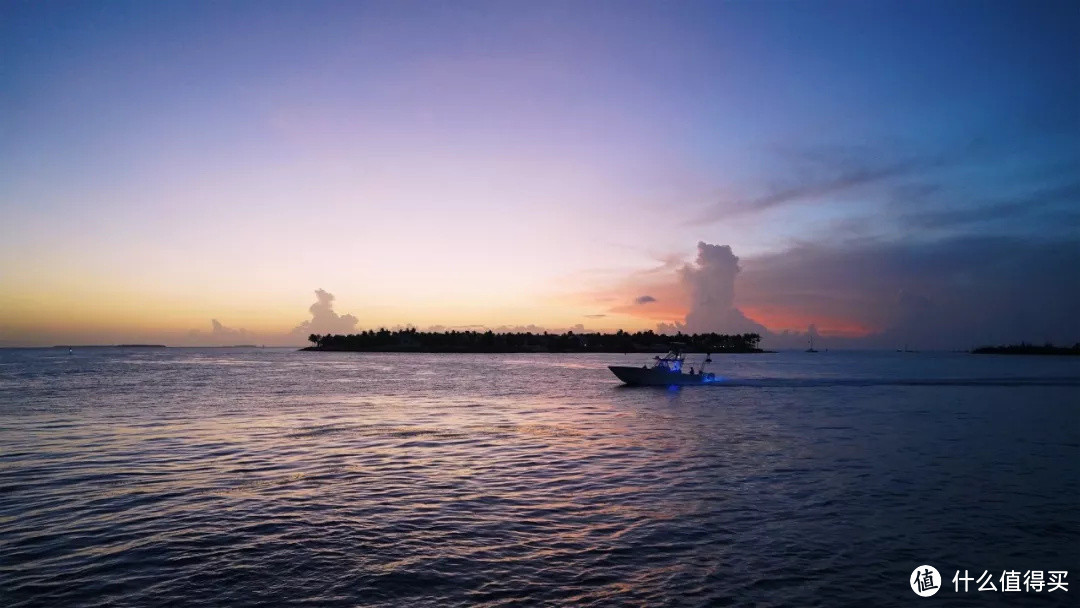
(811,341)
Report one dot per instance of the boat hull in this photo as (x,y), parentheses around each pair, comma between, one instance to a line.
(640,376)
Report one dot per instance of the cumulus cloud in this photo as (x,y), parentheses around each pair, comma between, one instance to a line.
(323,318)
(710,283)
(644,299)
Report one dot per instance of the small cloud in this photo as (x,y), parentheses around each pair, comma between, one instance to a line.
(519,329)
(595,316)
(668,262)
(220,335)
(323,318)
(644,299)
(670,328)
(220,331)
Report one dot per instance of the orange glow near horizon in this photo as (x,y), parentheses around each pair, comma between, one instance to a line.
(781,319)
(84,316)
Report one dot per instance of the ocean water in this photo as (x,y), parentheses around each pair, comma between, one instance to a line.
(173,477)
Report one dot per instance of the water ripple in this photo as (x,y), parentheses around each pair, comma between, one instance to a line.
(253,477)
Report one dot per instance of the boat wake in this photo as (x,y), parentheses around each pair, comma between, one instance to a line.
(862,382)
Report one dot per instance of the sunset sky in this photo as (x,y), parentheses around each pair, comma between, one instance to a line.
(886,172)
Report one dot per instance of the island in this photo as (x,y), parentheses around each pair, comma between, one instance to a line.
(1028,349)
(411,340)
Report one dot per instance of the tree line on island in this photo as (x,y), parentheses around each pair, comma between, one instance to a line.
(1028,349)
(411,340)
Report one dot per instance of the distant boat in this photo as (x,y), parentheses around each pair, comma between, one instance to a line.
(666,371)
(811,349)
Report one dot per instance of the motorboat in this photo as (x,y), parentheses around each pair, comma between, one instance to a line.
(665,371)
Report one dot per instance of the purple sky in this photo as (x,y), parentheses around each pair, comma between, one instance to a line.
(881,169)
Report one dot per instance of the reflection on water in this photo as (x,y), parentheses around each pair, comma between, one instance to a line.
(184,476)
